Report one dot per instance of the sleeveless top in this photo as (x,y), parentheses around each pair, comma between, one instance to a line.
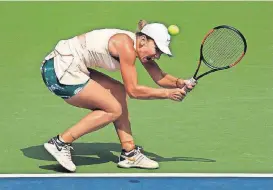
(73,57)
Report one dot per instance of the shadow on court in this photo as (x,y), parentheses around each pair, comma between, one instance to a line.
(95,153)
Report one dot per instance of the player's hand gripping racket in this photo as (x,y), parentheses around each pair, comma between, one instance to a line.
(222,48)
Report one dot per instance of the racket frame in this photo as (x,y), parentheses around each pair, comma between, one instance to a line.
(213,69)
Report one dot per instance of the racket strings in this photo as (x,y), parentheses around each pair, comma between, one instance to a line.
(222,48)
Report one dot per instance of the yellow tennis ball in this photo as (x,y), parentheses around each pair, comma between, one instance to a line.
(173,30)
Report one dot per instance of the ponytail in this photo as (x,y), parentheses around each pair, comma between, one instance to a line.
(141,24)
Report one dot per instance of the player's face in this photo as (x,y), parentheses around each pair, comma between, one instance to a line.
(148,51)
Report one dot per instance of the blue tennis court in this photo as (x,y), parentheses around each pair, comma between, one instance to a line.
(136,183)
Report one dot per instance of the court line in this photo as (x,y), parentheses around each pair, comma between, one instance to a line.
(138,0)
(107,175)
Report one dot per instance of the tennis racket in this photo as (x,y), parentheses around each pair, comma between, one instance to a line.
(222,48)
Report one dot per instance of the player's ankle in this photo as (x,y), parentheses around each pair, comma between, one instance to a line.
(67,138)
(60,140)
(128,146)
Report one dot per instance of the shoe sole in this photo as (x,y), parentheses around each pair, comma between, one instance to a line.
(49,150)
(141,167)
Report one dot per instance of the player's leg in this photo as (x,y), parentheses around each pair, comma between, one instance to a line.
(122,124)
(131,155)
(94,97)
(91,96)
(107,110)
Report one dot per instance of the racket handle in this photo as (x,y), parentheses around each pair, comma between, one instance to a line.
(191,81)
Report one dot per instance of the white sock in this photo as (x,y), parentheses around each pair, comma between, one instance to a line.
(61,139)
(127,153)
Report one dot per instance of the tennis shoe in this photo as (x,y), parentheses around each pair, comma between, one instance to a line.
(61,152)
(136,159)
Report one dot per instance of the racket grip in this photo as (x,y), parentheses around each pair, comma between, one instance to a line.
(191,81)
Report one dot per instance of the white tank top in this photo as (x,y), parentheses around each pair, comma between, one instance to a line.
(73,57)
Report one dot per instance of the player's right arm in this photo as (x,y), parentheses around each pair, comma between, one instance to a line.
(123,46)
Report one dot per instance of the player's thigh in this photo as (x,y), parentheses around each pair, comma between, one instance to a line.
(116,88)
(94,96)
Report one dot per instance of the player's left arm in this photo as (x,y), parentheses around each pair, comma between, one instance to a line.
(161,78)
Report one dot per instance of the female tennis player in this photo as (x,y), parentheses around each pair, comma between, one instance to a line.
(69,72)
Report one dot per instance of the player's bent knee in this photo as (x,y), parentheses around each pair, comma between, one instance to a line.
(115,112)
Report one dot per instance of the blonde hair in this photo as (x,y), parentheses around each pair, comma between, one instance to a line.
(141,24)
